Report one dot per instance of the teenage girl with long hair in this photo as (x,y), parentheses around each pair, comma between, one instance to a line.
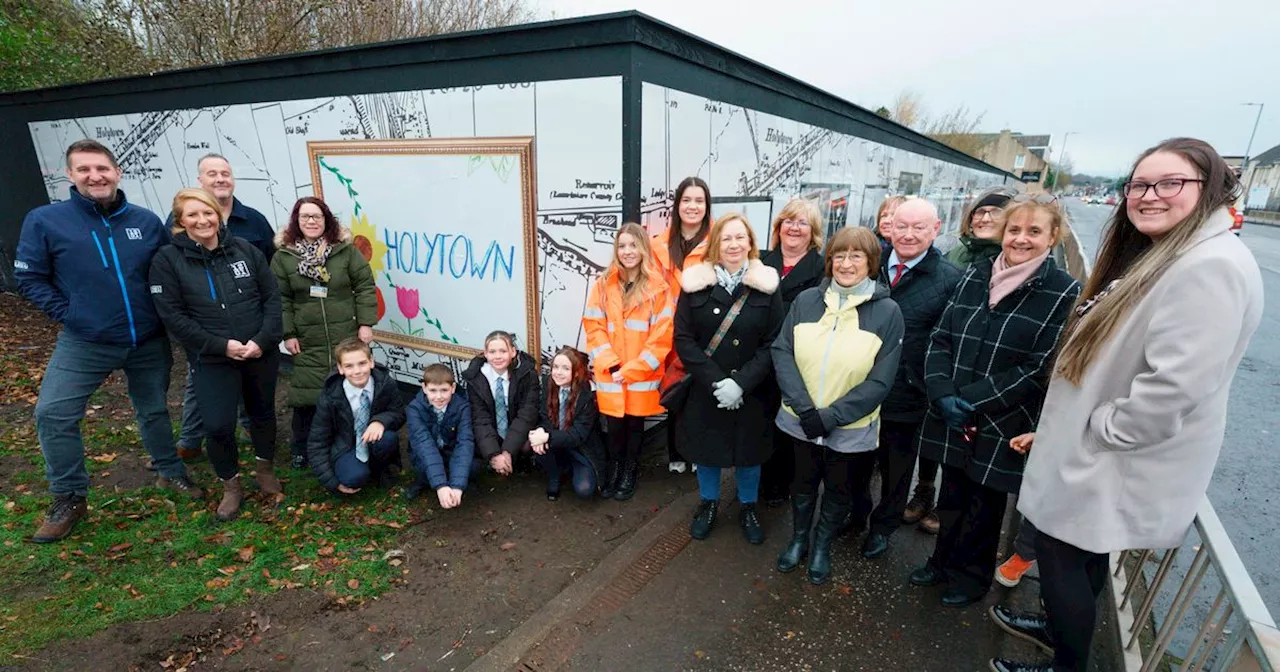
(567,438)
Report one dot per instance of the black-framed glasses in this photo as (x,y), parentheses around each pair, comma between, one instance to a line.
(1164,188)
(310,218)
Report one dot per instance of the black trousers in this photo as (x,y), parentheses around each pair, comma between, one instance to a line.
(895,460)
(970,515)
(624,437)
(219,388)
(841,474)
(301,428)
(928,478)
(1071,579)
(778,471)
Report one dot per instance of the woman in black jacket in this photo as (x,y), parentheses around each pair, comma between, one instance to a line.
(502,385)
(797,257)
(726,423)
(217,296)
(567,438)
(986,373)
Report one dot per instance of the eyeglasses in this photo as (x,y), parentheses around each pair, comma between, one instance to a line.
(1164,188)
(795,223)
(988,211)
(310,218)
(841,258)
(1043,198)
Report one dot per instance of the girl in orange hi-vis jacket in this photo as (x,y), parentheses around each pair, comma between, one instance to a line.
(691,220)
(628,321)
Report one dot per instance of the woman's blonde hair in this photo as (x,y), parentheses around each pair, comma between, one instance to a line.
(1138,261)
(799,208)
(1057,218)
(717,229)
(640,287)
(191,194)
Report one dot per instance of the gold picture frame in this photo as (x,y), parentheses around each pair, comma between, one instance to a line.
(521,147)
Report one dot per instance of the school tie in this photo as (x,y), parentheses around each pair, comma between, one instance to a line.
(500,407)
(899,269)
(564,406)
(362,423)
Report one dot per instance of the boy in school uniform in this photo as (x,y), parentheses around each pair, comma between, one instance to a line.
(441,443)
(353,438)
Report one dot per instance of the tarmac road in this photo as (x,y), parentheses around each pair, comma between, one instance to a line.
(1243,490)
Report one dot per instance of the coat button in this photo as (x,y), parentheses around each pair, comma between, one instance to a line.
(735,342)
(715,311)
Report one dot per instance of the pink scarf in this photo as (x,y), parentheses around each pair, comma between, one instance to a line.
(1005,278)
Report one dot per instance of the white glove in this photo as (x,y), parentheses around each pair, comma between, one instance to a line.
(728,393)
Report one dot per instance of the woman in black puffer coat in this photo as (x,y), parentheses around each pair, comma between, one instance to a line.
(217,296)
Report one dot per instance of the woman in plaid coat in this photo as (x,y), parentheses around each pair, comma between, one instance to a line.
(986,372)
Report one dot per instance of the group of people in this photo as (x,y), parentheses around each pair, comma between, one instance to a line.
(805,369)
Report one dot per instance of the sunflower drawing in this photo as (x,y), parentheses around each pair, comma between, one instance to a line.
(367,241)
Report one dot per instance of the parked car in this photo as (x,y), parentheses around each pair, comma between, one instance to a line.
(1237,220)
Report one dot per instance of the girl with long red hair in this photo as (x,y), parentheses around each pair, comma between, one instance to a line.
(567,438)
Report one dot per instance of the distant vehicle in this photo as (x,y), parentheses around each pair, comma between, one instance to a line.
(1237,220)
(1111,200)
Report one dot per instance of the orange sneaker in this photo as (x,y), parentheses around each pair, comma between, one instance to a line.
(1010,573)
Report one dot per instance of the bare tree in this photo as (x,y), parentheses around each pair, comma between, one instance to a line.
(908,109)
(956,127)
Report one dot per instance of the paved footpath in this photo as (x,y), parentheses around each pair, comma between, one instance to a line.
(670,603)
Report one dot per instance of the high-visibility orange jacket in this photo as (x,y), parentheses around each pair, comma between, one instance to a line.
(662,256)
(634,338)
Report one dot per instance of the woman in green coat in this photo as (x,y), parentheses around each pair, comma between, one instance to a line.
(981,228)
(327,295)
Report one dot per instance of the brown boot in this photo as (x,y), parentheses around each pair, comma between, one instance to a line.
(232,496)
(929,524)
(265,474)
(63,515)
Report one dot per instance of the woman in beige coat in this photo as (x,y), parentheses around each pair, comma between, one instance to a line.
(1136,409)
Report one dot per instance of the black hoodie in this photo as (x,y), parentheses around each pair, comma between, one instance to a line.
(522,411)
(333,431)
(207,297)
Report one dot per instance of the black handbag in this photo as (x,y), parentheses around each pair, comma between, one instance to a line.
(677,382)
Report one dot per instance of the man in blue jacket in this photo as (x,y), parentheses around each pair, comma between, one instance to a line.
(213,174)
(84,262)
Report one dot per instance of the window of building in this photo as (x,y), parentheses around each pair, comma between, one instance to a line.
(1019,161)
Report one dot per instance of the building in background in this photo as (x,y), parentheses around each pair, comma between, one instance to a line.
(1261,180)
(1018,153)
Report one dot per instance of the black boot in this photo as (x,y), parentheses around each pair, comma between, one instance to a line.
(831,517)
(704,518)
(749,520)
(801,521)
(612,474)
(627,484)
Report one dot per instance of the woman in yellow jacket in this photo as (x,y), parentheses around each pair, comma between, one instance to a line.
(628,323)
(835,357)
(691,220)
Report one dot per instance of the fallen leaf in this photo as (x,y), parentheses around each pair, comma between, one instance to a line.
(236,645)
(353,584)
(845,589)
(324,551)
(299,568)
(508,546)
(245,554)
(104,458)
(280,657)
(120,547)
(394,554)
(372,628)
(699,654)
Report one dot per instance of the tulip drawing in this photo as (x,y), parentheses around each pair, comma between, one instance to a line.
(407,300)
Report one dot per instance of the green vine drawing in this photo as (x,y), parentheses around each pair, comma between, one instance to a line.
(408,329)
(502,165)
(430,320)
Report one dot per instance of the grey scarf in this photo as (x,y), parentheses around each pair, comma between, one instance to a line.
(729,281)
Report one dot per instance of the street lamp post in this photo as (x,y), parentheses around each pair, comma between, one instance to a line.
(1063,157)
(1244,167)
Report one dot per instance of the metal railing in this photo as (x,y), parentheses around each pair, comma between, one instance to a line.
(1235,633)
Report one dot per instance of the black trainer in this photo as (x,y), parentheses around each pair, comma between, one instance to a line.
(1006,665)
(181,484)
(704,519)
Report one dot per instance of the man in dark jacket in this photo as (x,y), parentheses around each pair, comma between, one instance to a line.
(920,281)
(213,173)
(354,436)
(84,262)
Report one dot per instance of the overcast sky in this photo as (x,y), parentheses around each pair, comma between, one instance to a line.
(1122,74)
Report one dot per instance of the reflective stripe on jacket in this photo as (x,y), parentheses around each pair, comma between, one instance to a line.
(635,338)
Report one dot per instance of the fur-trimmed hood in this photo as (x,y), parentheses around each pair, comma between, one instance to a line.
(344,237)
(758,277)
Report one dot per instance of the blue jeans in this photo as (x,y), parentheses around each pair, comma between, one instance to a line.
(748,483)
(353,473)
(76,370)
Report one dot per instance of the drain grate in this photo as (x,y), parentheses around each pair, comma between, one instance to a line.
(554,651)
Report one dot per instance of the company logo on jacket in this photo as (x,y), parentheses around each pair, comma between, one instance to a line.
(240,269)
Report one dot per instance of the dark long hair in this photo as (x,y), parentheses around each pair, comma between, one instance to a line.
(332,230)
(674,249)
(577,381)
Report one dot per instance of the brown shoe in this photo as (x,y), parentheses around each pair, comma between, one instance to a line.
(232,496)
(181,484)
(63,515)
(264,474)
(929,524)
(916,509)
